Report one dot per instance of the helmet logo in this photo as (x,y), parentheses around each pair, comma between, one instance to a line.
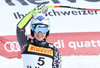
(40,18)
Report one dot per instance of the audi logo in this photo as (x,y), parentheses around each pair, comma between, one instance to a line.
(12,46)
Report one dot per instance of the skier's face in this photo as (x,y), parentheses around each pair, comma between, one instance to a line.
(39,36)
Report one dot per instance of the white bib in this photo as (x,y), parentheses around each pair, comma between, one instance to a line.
(36,61)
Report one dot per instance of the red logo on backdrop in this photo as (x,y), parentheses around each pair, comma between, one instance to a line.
(12,47)
(82,43)
(9,49)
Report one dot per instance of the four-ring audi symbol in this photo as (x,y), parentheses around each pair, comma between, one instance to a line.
(12,46)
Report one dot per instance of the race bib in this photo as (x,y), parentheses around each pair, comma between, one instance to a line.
(36,61)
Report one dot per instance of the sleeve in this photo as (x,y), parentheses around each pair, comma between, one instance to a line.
(57,59)
(22,39)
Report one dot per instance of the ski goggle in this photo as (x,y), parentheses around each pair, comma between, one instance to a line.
(40,28)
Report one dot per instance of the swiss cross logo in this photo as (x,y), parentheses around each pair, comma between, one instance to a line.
(40,18)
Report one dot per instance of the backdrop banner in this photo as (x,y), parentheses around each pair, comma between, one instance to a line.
(80,43)
(74,32)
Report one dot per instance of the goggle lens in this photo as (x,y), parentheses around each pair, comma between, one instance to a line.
(41,28)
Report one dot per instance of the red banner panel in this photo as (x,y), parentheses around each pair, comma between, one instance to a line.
(80,43)
(9,48)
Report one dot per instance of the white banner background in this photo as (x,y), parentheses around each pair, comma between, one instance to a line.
(67,23)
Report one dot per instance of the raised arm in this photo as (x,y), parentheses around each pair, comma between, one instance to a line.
(22,39)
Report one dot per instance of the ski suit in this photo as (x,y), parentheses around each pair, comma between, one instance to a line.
(36,54)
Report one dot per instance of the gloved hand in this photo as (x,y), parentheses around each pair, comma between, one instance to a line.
(39,9)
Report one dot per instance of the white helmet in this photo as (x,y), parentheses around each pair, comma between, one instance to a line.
(39,19)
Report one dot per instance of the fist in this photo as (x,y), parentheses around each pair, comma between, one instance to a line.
(39,9)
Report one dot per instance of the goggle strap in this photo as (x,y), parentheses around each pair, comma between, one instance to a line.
(34,26)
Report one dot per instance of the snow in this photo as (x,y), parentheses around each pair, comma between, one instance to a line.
(10,63)
(81,61)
